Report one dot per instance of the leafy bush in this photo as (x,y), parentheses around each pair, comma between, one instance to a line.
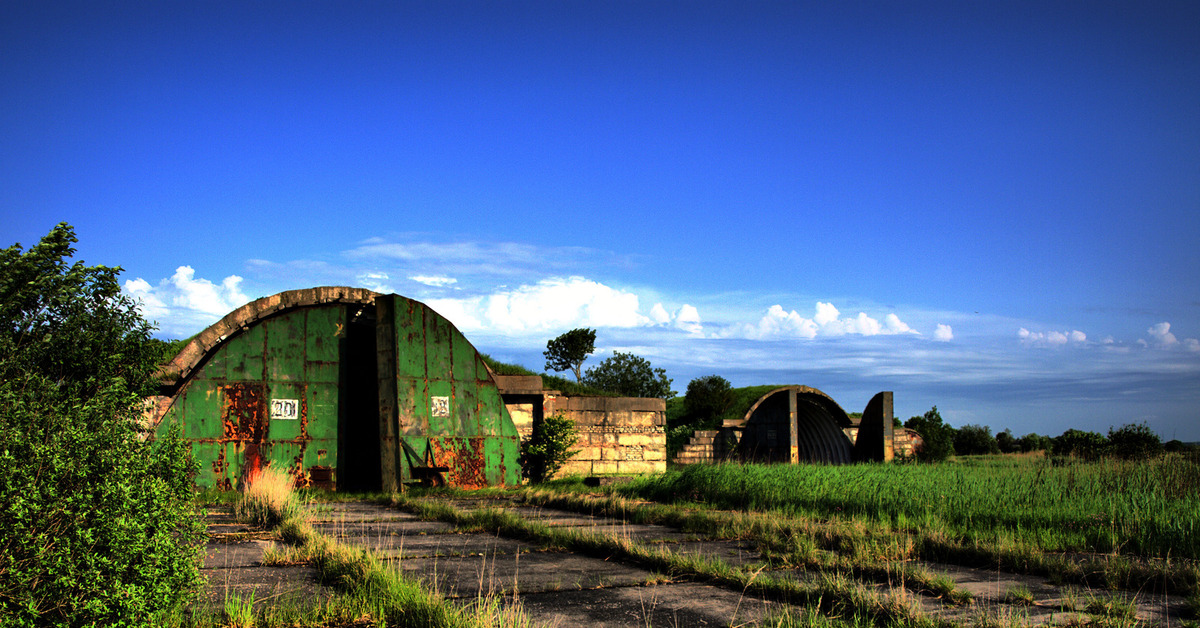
(1135,441)
(975,440)
(548,448)
(1080,444)
(1035,442)
(97,524)
(937,437)
(1007,443)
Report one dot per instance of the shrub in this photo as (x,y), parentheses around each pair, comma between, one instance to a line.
(548,448)
(1135,441)
(974,440)
(1035,442)
(1080,444)
(937,436)
(1007,443)
(97,524)
(707,397)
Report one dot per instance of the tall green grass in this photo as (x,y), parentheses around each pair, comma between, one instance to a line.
(1140,508)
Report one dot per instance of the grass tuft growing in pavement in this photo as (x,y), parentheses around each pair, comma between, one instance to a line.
(268,499)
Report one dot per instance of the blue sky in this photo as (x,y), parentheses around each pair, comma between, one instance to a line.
(991,207)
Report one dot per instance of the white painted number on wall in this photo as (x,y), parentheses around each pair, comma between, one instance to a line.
(285,408)
(440,406)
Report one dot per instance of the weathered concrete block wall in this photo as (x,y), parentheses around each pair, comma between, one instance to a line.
(616,434)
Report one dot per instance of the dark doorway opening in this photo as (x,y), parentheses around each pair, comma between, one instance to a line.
(358,426)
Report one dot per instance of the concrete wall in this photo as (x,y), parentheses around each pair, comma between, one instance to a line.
(616,434)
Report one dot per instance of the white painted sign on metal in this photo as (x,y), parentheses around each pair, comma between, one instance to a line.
(285,409)
(440,406)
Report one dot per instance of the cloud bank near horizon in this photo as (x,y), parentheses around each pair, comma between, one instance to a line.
(771,345)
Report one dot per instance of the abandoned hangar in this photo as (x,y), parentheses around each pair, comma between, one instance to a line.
(349,389)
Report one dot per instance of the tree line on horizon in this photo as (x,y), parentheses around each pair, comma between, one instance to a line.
(709,397)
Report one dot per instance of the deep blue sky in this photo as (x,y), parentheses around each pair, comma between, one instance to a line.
(956,172)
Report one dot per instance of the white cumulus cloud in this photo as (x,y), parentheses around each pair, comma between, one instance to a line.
(826,321)
(1050,338)
(659,314)
(688,319)
(1161,337)
(943,333)
(182,304)
(1161,333)
(548,305)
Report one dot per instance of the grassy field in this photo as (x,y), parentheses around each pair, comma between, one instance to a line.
(1110,506)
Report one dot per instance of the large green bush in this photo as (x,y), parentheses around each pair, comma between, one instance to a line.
(937,437)
(1134,441)
(97,526)
(1080,444)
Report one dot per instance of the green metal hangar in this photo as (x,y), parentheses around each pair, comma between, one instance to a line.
(343,387)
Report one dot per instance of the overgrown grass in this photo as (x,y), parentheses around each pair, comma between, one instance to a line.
(857,550)
(268,499)
(832,594)
(1109,506)
(367,590)
(871,549)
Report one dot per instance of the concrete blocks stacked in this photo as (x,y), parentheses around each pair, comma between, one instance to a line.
(699,449)
(616,434)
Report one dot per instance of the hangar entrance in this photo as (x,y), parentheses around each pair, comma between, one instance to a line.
(358,436)
(336,386)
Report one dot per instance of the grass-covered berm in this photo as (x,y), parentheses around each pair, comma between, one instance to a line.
(1148,508)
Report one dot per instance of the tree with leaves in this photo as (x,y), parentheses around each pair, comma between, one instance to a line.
(569,350)
(707,397)
(937,437)
(1007,442)
(1083,444)
(1135,441)
(629,375)
(975,440)
(97,524)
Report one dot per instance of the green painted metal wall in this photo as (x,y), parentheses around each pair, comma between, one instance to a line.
(237,412)
(446,408)
(293,389)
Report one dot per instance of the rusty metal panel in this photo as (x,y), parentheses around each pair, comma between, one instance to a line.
(283,351)
(466,410)
(451,412)
(411,407)
(463,359)
(250,404)
(389,398)
(246,354)
(324,329)
(409,338)
(438,347)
